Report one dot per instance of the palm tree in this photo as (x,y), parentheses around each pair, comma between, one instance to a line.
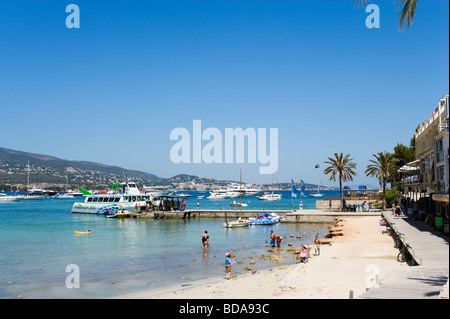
(383,168)
(406,14)
(342,167)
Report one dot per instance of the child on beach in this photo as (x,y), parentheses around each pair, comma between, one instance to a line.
(227,265)
(303,256)
(317,246)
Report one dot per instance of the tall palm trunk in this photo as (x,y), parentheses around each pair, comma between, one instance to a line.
(342,197)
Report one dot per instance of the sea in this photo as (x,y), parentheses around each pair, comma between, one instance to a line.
(40,253)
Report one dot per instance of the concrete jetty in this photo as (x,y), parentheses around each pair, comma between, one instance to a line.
(289,216)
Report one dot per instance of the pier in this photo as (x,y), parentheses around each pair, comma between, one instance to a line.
(296,216)
(427,277)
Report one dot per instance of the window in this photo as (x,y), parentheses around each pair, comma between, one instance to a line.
(439,150)
(441,178)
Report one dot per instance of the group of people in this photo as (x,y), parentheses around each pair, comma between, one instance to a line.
(275,239)
(169,204)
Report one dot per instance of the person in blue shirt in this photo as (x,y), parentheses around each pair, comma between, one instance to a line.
(227,265)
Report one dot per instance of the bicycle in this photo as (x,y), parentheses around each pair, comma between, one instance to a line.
(403,254)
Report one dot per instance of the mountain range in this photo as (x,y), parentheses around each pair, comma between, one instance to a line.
(52,171)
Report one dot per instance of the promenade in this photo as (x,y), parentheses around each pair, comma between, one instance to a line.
(429,248)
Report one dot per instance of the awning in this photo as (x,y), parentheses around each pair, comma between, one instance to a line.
(440,197)
(408,168)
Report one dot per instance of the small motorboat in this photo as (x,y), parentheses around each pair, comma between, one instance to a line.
(237,223)
(265,219)
(123,214)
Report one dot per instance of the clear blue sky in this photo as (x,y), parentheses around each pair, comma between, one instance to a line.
(113,90)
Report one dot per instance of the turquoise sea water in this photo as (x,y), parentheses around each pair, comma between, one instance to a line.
(122,256)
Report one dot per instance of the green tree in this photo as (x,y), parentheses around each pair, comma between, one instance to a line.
(406,15)
(383,168)
(341,167)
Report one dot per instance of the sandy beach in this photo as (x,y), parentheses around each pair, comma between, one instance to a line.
(350,263)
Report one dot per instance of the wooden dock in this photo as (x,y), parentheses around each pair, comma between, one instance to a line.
(429,248)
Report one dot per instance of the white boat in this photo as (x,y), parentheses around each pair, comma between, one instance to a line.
(126,197)
(271,197)
(316,195)
(68,193)
(35,191)
(318,189)
(32,197)
(223,194)
(237,223)
(9,198)
(244,190)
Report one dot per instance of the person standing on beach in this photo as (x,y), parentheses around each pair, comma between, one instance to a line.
(317,246)
(329,205)
(227,265)
(198,205)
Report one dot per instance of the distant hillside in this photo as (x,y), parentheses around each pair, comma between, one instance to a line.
(50,169)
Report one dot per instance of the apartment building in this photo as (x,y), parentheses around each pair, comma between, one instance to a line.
(428,183)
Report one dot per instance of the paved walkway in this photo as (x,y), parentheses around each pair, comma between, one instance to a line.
(430,250)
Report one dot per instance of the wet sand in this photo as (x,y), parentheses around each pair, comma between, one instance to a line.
(350,263)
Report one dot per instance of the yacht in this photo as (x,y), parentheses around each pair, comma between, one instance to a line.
(69,194)
(271,197)
(9,198)
(126,197)
(224,194)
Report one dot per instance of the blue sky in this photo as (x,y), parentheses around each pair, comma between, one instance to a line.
(113,90)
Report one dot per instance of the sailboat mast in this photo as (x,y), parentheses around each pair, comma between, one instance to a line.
(28,176)
(240,191)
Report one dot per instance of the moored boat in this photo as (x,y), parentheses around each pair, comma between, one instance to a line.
(237,223)
(127,197)
(265,219)
(9,198)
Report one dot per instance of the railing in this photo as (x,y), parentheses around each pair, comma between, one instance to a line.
(442,126)
(411,179)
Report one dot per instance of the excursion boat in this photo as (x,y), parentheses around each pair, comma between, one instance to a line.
(126,197)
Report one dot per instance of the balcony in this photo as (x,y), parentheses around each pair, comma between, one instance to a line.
(411,179)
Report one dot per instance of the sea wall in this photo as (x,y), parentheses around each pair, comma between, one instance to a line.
(335,203)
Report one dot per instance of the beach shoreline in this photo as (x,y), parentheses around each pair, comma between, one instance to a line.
(345,268)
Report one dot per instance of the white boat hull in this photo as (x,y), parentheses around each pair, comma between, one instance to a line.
(104,208)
